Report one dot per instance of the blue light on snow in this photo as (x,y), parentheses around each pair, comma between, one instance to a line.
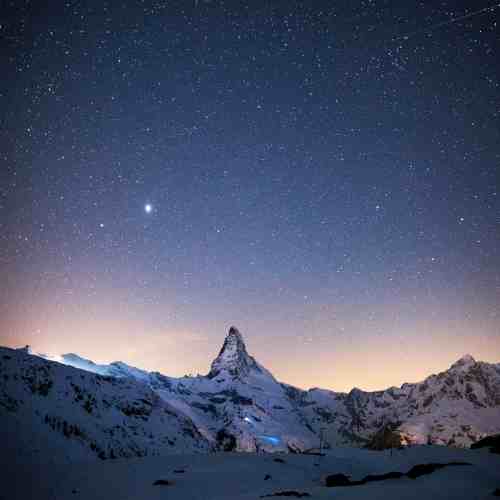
(271,439)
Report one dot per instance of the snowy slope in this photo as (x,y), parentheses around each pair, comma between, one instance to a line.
(240,406)
(78,414)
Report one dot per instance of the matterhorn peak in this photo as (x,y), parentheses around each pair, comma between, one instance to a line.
(233,343)
(234,332)
(233,357)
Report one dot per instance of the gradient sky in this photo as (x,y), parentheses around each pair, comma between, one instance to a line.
(323,175)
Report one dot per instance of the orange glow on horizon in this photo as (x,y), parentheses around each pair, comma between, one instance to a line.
(335,364)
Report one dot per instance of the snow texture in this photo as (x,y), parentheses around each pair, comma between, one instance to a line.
(230,476)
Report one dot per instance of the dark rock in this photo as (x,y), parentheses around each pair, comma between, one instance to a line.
(327,416)
(226,441)
(382,477)
(413,473)
(206,408)
(491,442)
(428,400)
(337,480)
(313,453)
(217,400)
(279,460)
(237,399)
(287,493)
(162,482)
(267,476)
(424,469)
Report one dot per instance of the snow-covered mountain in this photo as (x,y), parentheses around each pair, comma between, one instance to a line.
(455,407)
(77,414)
(120,410)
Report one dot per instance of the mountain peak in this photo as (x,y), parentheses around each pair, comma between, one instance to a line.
(233,357)
(234,332)
(233,343)
(464,362)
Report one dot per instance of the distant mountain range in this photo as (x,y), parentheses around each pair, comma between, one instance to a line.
(77,408)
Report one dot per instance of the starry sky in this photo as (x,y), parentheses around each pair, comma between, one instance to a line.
(324,175)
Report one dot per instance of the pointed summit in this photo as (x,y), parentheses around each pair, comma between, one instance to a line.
(233,357)
(464,362)
(234,332)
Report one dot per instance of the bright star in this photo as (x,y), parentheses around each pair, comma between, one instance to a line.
(148,208)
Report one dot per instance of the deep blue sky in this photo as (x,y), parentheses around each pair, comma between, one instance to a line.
(324,175)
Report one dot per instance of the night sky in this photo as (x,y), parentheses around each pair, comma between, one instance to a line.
(323,175)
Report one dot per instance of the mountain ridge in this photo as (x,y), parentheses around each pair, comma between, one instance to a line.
(72,359)
(239,405)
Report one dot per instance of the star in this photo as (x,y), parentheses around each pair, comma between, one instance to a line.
(148,208)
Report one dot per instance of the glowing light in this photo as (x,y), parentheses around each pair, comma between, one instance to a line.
(271,439)
(148,208)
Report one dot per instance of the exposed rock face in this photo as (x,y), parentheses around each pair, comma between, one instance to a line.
(233,357)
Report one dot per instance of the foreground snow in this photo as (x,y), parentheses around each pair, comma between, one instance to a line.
(241,476)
